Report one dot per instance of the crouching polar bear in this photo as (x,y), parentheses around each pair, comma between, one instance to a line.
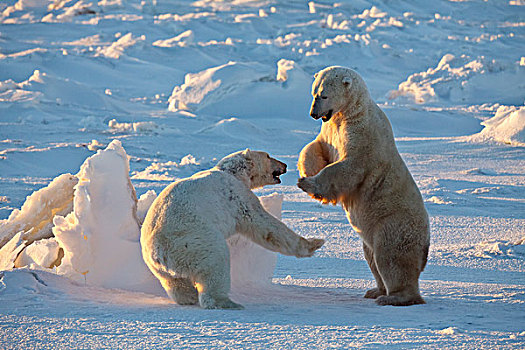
(184,234)
(354,161)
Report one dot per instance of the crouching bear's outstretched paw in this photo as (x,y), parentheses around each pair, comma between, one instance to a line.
(309,246)
(315,243)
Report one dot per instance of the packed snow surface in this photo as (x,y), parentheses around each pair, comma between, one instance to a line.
(103,104)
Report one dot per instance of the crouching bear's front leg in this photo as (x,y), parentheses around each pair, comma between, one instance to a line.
(264,229)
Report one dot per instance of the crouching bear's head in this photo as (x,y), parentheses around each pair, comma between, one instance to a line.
(336,90)
(255,168)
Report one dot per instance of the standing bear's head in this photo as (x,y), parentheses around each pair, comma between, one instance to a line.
(337,90)
(254,168)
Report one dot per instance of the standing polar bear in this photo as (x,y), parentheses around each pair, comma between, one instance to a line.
(184,234)
(354,161)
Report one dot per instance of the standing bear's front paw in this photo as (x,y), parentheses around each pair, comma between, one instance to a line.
(310,186)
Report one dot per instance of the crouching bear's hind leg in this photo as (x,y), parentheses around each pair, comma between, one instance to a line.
(212,276)
(180,290)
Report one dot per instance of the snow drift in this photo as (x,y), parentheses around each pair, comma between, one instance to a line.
(507,126)
(221,90)
(463,78)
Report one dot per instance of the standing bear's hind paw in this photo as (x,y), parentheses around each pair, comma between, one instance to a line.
(395,300)
(374,293)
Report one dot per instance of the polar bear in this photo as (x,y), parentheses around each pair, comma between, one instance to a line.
(184,233)
(354,161)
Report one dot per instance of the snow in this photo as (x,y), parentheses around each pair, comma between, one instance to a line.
(131,95)
(508,126)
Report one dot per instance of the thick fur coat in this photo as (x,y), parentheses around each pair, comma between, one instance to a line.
(184,234)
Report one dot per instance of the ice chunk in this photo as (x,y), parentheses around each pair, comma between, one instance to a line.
(507,126)
(100,237)
(144,203)
(36,215)
(43,253)
(10,251)
(283,66)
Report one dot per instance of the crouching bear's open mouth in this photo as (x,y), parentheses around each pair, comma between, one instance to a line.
(276,175)
(328,115)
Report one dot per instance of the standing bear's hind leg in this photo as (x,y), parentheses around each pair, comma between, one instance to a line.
(399,269)
(380,289)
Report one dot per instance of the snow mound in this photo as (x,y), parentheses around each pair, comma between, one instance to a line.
(212,85)
(459,79)
(183,39)
(137,127)
(499,249)
(117,48)
(45,88)
(245,90)
(507,126)
(62,14)
(167,171)
(233,128)
(449,331)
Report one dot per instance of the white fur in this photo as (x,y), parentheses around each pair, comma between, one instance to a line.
(184,234)
(354,161)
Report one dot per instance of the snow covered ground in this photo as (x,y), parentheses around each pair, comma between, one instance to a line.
(181,84)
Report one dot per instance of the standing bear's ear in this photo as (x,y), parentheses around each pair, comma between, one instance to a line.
(315,75)
(246,152)
(347,81)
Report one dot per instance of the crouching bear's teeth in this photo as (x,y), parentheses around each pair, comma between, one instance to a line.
(276,175)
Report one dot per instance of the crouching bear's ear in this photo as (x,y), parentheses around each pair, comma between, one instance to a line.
(347,82)
(246,152)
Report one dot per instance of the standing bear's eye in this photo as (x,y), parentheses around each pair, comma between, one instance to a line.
(324,97)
